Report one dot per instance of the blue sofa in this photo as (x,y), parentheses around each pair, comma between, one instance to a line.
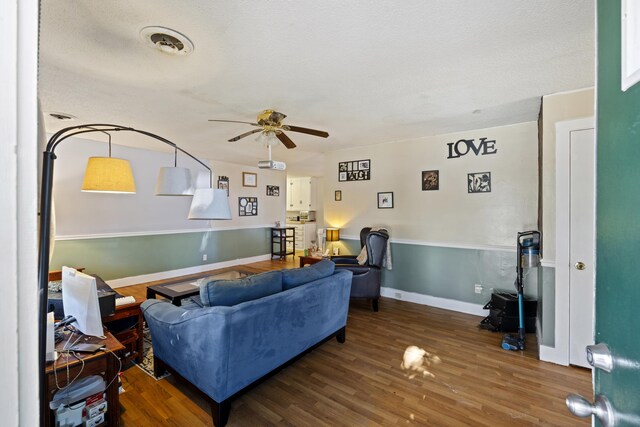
(230,345)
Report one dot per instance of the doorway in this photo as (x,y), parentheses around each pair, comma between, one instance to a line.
(575,239)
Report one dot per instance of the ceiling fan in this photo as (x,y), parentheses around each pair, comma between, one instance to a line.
(269,122)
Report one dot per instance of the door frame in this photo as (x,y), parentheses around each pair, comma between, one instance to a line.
(560,354)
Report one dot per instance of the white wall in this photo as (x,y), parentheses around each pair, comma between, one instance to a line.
(90,214)
(449,215)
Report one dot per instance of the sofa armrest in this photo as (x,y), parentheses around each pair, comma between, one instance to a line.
(356,269)
(195,343)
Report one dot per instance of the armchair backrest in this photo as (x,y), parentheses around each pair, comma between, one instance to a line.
(376,242)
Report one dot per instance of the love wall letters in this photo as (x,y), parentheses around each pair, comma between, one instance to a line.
(463,146)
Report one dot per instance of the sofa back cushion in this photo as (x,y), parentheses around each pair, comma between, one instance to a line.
(232,292)
(299,276)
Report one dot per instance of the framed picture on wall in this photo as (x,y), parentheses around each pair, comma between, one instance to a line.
(479,182)
(355,170)
(249,179)
(223,183)
(338,195)
(430,180)
(247,206)
(385,200)
(273,190)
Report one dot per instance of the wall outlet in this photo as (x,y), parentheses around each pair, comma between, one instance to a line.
(204,257)
(478,288)
(398,295)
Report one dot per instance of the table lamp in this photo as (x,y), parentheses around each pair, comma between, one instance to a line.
(333,235)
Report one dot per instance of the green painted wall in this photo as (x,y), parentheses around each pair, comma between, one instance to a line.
(451,272)
(118,257)
(618,218)
(547,305)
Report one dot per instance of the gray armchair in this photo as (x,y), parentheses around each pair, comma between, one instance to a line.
(366,278)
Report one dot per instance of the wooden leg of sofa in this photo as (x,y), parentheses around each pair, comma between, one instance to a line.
(341,336)
(158,367)
(375,304)
(220,412)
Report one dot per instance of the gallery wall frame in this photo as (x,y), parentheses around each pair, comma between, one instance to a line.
(247,206)
(273,190)
(479,182)
(385,200)
(430,180)
(354,170)
(249,179)
(223,183)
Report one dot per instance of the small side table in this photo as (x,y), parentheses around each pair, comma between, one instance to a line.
(308,260)
(280,236)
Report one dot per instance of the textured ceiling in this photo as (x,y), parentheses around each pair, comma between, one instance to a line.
(366,72)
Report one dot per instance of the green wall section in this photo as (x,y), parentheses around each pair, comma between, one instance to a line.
(451,272)
(618,217)
(547,305)
(118,257)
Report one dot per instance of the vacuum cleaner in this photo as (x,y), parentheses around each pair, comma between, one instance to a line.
(528,256)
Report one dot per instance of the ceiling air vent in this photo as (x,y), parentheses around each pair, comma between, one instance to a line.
(166,40)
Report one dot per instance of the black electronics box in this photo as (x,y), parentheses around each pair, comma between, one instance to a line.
(508,304)
(503,313)
(106,300)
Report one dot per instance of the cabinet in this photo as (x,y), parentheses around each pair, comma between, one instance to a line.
(304,234)
(301,194)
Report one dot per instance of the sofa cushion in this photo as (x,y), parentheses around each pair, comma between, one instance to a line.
(232,292)
(299,276)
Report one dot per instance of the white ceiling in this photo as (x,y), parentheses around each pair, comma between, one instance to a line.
(366,72)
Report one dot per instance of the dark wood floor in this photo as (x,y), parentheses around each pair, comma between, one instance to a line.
(471,380)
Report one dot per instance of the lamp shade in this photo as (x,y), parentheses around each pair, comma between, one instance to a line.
(174,181)
(210,203)
(333,234)
(108,175)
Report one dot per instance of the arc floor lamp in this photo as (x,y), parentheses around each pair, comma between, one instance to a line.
(207,203)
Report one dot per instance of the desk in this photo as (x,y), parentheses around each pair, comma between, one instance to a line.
(100,363)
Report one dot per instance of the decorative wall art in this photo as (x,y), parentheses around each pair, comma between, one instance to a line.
(338,195)
(462,147)
(249,179)
(385,200)
(273,190)
(479,182)
(356,170)
(248,206)
(223,183)
(430,180)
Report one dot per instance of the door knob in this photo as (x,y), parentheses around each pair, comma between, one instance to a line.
(601,408)
(580,265)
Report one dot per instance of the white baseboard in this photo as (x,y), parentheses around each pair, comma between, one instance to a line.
(551,354)
(134,280)
(446,303)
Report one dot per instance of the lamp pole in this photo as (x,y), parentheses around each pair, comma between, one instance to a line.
(46,196)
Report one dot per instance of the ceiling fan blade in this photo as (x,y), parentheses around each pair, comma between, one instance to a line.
(313,132)
(251,132)
(234,121)
(285,140)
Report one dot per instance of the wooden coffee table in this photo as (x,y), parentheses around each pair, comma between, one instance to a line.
(179,290)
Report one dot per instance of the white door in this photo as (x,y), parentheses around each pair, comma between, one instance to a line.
(575,241)
(581,244)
